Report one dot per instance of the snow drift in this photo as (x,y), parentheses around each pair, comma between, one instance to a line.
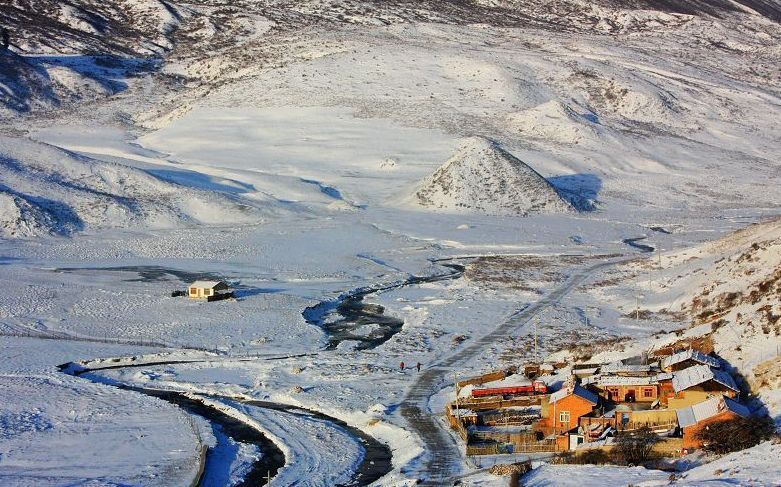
(46,190)
(482,177)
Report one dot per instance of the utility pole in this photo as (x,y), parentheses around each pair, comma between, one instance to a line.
(637,308)
(455,383)
(649,279)
(268,477)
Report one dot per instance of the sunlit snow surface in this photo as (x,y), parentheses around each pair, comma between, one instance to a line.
(307,167)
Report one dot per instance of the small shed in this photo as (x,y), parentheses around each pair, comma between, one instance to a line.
(209,290)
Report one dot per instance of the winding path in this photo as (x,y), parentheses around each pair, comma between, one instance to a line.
(444,455)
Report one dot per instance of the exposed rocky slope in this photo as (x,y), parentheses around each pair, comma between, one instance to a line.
(209,41)
(482,177)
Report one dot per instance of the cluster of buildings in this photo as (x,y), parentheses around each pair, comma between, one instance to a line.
(675,396)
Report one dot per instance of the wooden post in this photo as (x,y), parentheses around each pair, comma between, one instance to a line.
(637,308)
(455,384)
(536,354)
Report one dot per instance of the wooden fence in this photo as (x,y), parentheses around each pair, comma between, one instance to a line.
(456,424)
(496,402)
(665,447)
(545,446)
(509,418)
(501,437)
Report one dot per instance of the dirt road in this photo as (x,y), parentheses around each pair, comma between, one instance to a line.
(444,455)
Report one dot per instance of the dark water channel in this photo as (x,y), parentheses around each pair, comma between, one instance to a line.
(272,458)
(633,242)
(343,318)
(149,273)
(377,460)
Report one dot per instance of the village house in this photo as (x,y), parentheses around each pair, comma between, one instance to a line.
(623,418)
(565,407)
(209,290)
(628,370)
(695,418)
(688,358)
(581,371)
(629,389)
(699,383)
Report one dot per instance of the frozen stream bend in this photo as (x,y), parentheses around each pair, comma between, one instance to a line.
(365,462)
(376,457)
(340,317)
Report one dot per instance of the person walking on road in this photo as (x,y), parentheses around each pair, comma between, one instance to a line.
(418,366)
(401,366)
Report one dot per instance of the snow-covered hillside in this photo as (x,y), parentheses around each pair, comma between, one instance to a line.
(141,141)
(728,289)
(482,177)
(47,190)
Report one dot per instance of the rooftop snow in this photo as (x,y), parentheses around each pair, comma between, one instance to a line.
(690,355)
(617,367)
(709,408)
(698,374)
(578,391)
(206,284)
(612,380)
(510,380)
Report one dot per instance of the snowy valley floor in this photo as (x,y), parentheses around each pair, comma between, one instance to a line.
(300,195)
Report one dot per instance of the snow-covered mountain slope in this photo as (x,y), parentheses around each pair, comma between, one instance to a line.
(622,16)
(482,177)
(30,84)
(46,190)
(732,287)
(728,290)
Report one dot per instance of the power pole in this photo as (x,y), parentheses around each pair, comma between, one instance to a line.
(268,477)
(649,279)
(455,383)
(637,308)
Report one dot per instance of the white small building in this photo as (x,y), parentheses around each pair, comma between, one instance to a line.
(209,290)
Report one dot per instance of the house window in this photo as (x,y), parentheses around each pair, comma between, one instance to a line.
(207,292)
(564,417)
(193,291)
(648,392)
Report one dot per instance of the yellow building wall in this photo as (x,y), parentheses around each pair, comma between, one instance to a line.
(199,293)
(654,416)
(689,397)
(545,407)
